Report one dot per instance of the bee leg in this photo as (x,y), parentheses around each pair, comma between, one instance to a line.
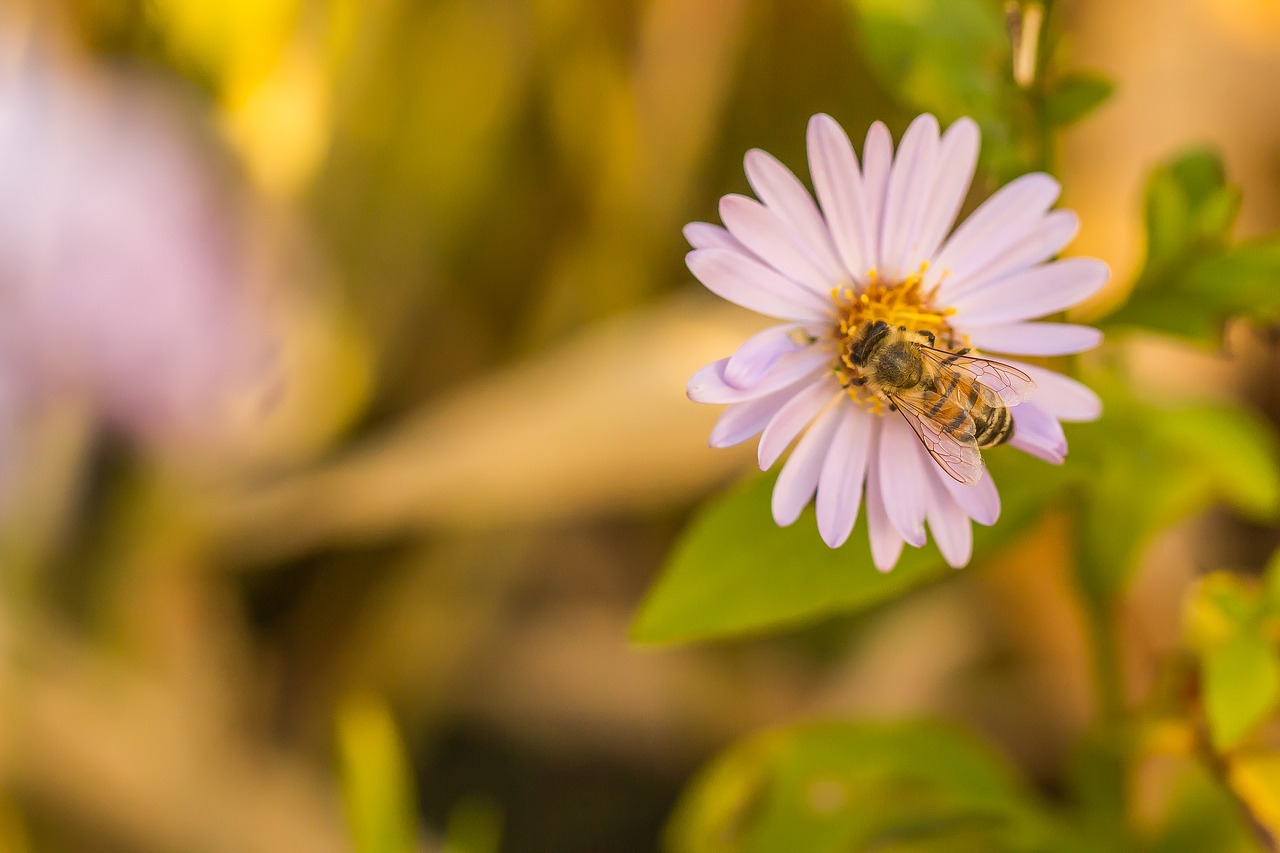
(893,407)
(951,358)
(928,335)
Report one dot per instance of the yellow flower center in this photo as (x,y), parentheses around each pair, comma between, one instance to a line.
(899,303)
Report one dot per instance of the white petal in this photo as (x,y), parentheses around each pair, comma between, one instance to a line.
(1053,232)
(1037,432)
(773,241)
(902,479)
(886,544)
(1061,396)
(704,235)
(910,185)
(979,500)
(1031,293)
(1032,338)
(948,523)
(877,157)
(783,193)
(760,352)
(753,285)
(741,421)
(957,158)
(799,477)
(843,473)
(791,420)
(838,183)
(708,384)
(999,223)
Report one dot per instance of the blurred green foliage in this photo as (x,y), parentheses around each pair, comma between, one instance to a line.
(1195,278)
(1234,628)
(828,787)
(377,783)
(734,571)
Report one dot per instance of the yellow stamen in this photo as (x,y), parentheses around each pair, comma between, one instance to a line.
(898,303)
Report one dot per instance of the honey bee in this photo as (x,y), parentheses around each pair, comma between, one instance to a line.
(957,404)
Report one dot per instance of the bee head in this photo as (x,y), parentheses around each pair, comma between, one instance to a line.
(863,345)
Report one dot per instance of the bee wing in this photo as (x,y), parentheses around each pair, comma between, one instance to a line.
(1008,383)
(957,453)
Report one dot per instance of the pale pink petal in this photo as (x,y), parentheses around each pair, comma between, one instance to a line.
(1054,231)
(792,418)
(783,193)
(843,473)
(910,184)
(902,479)
(957,158)
(838,183)
(886,544)
(773,241)
(709,386)
(1037,432)
(741,421)
(877,157)
(704,235)
(949,524)
(1031,293)
(1032,338)
(980,500)
(753,285)
(1000,222)
(799,477)
(760,352)
(1061,396)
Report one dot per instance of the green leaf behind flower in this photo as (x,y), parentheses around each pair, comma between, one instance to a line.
(1074,96)
(1153,466)
(841,786)
(1194,278)
(1228,623)
(734,571)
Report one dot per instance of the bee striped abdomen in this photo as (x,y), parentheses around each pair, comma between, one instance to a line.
(994,425)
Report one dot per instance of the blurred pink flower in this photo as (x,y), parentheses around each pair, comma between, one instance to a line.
(876,246)
(121,276)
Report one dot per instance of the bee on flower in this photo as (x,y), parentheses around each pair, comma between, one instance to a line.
(892,367)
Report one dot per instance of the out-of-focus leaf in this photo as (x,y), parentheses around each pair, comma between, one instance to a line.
(1256,780)
(1241,668)
(735,571)
(1241,686)
(377,784)
(1189,208)
(475,826)
(1074,96)
(1194,279)
(840,786)
(950,58)
(1201,816)
(1157,465)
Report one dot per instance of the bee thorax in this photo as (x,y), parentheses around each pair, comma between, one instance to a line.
(898,365)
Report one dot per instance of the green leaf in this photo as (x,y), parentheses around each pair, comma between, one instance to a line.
(1075,96)
(1225,621)
(947,57)
(377,785)
(735,571)
(841,786)
(1189,208)
(1156,465)
(1241,687)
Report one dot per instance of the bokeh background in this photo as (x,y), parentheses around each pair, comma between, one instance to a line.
(342,360)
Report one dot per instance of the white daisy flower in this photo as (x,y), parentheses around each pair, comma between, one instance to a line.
(878,246)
